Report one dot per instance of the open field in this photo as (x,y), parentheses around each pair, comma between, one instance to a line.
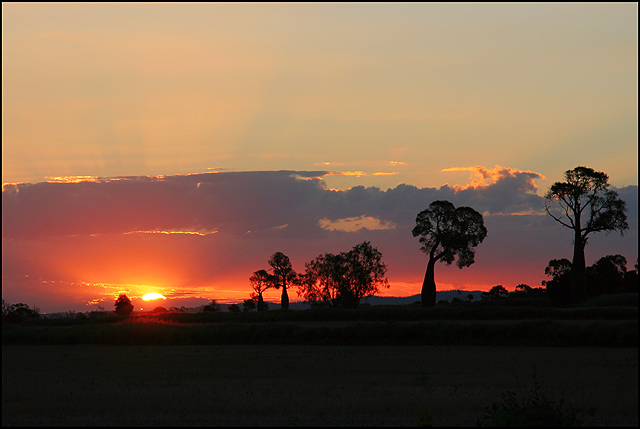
(290,385)
(151,331)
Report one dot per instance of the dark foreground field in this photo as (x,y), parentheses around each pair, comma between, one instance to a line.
(304,385)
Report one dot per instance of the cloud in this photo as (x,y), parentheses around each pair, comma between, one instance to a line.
(348,173)
(206,233)
(483,177)
(226,202)
(500,190)
(352,224)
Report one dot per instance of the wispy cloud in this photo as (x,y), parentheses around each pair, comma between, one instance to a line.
(356,223)
(199,233)
(347,173)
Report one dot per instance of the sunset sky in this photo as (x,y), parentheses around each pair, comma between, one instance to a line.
(173,148)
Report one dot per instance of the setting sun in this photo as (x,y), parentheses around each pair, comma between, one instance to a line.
(152,295)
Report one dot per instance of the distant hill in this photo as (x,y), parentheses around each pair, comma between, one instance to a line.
(446,295)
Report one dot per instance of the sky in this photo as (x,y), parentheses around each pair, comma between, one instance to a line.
(174,148)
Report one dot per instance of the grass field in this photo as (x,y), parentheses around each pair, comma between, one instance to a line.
(555,333)
(303,385)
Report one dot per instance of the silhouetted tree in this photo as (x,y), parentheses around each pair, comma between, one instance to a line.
(321,282)
(342,280)
(123,305)
(559,287)
(447,232)
(159,310)
(212,307)
(283,274)
(234,308)
(260,281)
(526,291)
(18,312)
(248,305)
(606,275)
(630,280)
(365,274)
(584,189)
(495,292)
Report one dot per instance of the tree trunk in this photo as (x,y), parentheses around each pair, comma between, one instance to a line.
(260,302)
(428,295)
(284,301)
(578,269)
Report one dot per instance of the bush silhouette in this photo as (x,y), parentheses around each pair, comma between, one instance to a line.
(123,305)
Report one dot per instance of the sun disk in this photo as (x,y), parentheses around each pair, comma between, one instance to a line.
(152,295)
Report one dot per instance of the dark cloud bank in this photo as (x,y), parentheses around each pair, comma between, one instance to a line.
(244,217)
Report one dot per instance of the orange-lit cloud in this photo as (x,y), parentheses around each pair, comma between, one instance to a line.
(483,177)
(202,234)
(72,179)
(353,224)
(347,173)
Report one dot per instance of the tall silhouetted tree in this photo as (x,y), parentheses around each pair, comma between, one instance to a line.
(586,205)
(447,232)
(123,305)
(260,281)
(283,274)
(321,282)
(343,280)
(366,272)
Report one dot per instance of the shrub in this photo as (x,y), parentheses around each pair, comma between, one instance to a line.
(123,305)
(18,312)
(536,410)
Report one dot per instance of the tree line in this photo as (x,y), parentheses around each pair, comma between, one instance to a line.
(332,280)
(583,203)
